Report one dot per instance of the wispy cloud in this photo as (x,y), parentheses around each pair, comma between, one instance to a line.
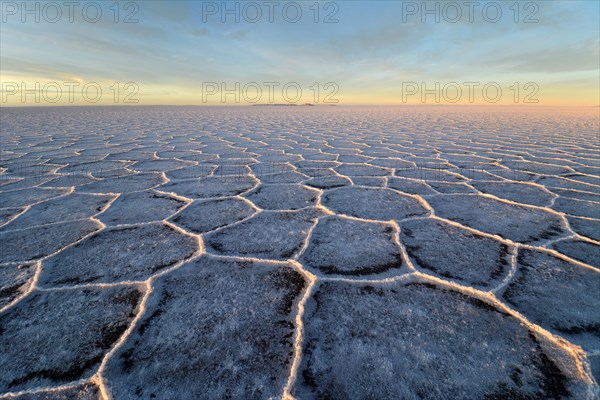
(369,51)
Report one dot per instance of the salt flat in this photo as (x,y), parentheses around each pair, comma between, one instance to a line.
(299,252)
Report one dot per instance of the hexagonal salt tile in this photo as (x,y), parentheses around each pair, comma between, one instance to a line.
(454,253)
(585,252)
(585,227)
(525,193)
(212,329)
(451,187)
(41,241)
(429,174)
(123,184)
(206,215)
(283,197)
(406,341)
(342,246)
(192,172)
(66,208)
(140,207)
(93,167)
(564,183)
(536,168)
(374,181)
(211,186)
(590,179)
(53,338)
(159,165)
(577,207)
(577,194)
(362,170)
(515,222)
(328,182)
(410,186)
(559,296)
(282,177)
(26,197)
(67,181)
(373,203)
(122,254)
(276,235)
(15,280)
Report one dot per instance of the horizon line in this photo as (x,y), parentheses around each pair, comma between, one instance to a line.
(305,105)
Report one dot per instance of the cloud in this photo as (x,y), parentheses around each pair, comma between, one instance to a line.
(584,56)
(236,35)
(200,32)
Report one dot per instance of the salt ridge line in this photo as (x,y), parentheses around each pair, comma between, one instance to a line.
(519,203)
(299,335)
(57,389)
(98,378)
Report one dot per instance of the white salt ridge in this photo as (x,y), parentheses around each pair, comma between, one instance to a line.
(312,253)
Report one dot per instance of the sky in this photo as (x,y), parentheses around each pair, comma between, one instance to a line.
(263,52)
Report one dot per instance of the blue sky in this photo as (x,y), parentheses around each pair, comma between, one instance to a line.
(373,49)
